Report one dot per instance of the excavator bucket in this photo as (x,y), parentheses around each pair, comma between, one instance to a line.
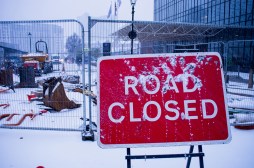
(54,95)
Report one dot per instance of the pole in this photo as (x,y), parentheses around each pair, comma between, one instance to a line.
(128,160)
(89,74)
(131,36)
(30,41)
(30,44)
(83,75)
(201,161)
(189,158)
(132,27)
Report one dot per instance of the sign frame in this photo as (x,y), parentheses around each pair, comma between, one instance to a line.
(159,144)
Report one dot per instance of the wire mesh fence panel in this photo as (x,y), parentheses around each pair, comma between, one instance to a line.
(239,81)
(111,38)
(105,40)
(46,64)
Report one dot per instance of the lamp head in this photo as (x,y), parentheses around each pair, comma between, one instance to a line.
(133,2)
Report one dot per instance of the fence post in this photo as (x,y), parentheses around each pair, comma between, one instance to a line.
(83,74)
(90,134)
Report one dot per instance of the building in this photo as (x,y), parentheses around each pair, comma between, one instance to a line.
(222,12)
(215,12)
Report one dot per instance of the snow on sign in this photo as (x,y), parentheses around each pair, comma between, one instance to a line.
(161,100)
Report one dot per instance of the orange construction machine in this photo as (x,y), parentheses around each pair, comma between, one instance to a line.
(39,60)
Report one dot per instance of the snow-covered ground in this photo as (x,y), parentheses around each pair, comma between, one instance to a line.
(54,149)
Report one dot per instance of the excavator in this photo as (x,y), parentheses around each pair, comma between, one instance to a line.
(39,60)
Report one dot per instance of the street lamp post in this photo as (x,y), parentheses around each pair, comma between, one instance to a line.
(132,34)
(30,35)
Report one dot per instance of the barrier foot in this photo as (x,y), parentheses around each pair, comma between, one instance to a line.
(87,135)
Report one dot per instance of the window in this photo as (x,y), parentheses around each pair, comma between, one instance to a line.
(232,9)
(209,15)
(227,13)
(217,11)
(222,10)
(243,7)
(249,6)
(214,14)
(237,7)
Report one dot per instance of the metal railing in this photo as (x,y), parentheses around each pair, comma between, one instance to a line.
(78,69)
(239,96)
(51,106)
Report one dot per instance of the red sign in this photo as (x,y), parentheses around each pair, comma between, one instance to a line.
(161,100)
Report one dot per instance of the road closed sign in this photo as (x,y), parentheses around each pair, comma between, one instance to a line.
(161,100)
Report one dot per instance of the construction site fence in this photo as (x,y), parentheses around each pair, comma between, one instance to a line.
(21,88)
(105,38)
(74,52)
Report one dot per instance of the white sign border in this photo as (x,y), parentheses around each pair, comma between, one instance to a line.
(164,144)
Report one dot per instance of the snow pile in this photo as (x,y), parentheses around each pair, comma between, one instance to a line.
(247,118)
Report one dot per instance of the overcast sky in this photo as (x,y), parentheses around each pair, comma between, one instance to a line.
(71,9)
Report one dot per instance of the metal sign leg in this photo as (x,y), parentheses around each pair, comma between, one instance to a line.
(201,161)
(128,160)
(189,158)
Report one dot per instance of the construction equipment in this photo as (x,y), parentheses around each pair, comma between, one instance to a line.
(54,95)
(39,60)
(6,79)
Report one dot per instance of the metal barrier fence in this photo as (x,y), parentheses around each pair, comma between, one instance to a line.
(64,42)
(48,66)
(107,37)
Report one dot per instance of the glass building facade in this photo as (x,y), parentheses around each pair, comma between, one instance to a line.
(222,12)
(216,12)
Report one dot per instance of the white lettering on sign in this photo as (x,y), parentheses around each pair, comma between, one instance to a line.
(168,87)
(110,112)
(185,83)
(206,116)
(171,110)
(187,109)
(146,117)
(132,119)
(131,82)
(132,85)
(151,78)
(151,85)
(190,113)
